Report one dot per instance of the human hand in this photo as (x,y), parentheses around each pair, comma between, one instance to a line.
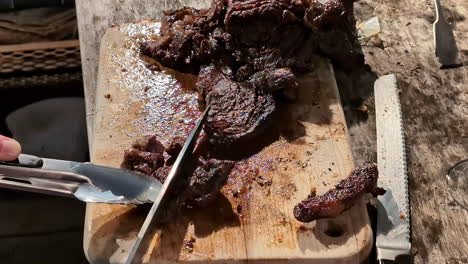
(9,149)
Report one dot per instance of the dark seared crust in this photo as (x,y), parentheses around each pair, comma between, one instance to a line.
(206,181)
(258,45)
(271,81)
(142,161)
(203,177)
(162,173)
(149,144)
(238,112)
(333,25)
(173,150)
(331,204)
(191,38)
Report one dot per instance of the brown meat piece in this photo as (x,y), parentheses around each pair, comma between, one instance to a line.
(191,38)
(142,161)
(174,149)
(333,24)
(162,173)
(146,156)
(281,82)
(270,33)
(206,181)
(258,45)
(149,144)
(331,204)
(238,111)
(203,178)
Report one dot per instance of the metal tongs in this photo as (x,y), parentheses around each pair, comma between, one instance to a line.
(85,181)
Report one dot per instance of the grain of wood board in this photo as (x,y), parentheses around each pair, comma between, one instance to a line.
(433,103)
(312,153)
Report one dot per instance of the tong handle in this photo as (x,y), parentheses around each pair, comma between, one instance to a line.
(25,172)
(17,177)
(31,187)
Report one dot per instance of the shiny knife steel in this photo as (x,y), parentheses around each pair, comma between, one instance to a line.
(85,181)
(393,215)
(163,194)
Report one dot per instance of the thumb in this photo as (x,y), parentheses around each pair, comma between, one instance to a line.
(9,149)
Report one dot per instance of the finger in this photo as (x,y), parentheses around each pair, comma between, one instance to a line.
(9,149)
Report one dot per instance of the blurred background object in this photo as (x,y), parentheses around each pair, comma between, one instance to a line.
(6,5)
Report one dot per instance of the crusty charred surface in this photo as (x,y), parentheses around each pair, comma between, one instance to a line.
(238,112)
(173,149)
(206,181)
(203,177)
(331,204)
(145,156)
(333,25)
(255,47)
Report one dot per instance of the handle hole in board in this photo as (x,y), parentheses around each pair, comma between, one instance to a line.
(334,230)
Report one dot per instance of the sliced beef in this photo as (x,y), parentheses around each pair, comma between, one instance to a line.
(331,204)
(201,179)
(247,54)
(145,156)
(206,181)
(255,46)
(269,33)
(238,113)
(333,24)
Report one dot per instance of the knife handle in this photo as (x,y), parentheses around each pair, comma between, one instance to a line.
(386,261)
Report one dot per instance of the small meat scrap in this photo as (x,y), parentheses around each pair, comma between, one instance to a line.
(145,156)
(262,181)
(331,204)
(142,161)
(190,244)
(149,144)
(173,150)
(162,173)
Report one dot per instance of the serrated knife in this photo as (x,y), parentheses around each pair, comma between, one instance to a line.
(393,215)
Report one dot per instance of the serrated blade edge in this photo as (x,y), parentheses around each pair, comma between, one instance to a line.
(393,215)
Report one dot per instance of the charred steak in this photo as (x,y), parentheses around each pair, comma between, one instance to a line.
(331,204)
(239,112)
(247,53)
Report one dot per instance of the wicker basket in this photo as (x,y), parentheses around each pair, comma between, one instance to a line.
(40,56)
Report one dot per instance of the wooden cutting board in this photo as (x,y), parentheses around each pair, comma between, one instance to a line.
(252,220)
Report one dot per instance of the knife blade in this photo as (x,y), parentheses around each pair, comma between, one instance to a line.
(444,41)
(393,214)
(165,190)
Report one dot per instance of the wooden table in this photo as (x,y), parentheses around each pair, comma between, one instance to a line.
(434,103)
